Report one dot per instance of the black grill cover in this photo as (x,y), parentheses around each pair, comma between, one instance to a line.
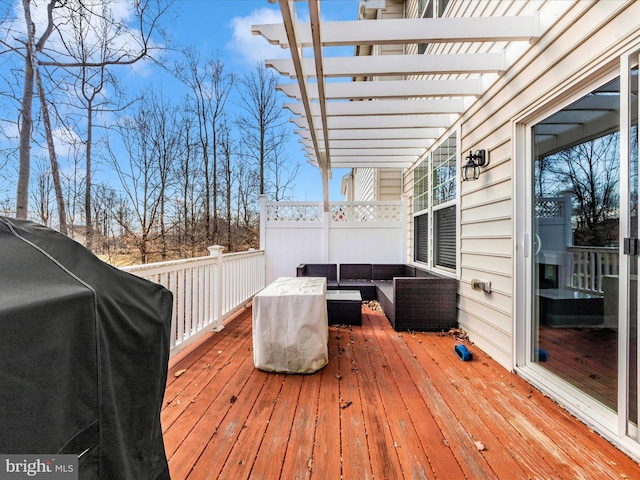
(84,349)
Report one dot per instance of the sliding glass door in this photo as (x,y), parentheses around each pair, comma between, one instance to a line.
(575,232)
(580,258)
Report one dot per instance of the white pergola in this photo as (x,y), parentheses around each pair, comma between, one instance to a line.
(383,122)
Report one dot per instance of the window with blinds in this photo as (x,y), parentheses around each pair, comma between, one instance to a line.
(445,235)
(421,238)
(435,196)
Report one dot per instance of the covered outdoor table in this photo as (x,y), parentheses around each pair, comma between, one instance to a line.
(290,327)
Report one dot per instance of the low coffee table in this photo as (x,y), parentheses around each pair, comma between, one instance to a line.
(344,307)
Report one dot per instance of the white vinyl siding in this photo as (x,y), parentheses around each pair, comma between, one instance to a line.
(585,37)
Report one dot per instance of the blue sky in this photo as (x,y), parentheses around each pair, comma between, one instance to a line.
(222,26)
(225,26)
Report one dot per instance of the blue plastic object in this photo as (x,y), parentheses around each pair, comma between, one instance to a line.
(542,355)
(463,353)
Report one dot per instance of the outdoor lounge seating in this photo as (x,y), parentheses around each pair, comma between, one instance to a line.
(412,298)
(357,276)
(326,270)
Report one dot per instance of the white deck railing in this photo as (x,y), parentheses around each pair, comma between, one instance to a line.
(590,264)
(206,290)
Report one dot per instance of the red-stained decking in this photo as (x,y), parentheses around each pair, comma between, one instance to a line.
(388,405)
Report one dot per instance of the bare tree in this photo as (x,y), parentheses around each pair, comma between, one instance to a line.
(123,45)
(246,198)
(95,45)
(140,179)
(210,87)
(590,171)
(262,120)
(187,168)
(227,147)
(73,185)
(166,137)
(282,175)
(42,194)
(26,113)
(53,157)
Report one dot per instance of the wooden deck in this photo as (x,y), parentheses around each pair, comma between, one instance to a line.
(388,405)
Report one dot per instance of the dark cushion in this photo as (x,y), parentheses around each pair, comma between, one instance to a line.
(357,271)
(326,270)
(385,289)
(388,271)
(425,274)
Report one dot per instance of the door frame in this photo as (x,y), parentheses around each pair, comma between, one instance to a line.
(612,425)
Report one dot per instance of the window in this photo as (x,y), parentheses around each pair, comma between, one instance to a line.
(426,10)
(445,229)
(444,171)
(434,188)
(432,8)
(421,241)
(421,186)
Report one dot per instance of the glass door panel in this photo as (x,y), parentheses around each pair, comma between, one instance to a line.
(576,212)
(631,282)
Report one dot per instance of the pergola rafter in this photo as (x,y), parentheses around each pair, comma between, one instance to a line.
(415,30)
(386,110)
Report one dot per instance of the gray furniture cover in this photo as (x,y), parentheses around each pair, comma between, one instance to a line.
(83,356)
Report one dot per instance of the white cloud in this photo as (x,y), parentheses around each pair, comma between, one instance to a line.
(254,48)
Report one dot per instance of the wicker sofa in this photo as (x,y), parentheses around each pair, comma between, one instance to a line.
(357,276)
(415,299)
(412,298)
(326,270)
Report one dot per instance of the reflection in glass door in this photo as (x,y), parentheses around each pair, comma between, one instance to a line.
(629,270)
(576,212)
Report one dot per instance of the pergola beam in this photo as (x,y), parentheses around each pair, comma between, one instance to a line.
(404,31)
(373,133)
(377,143)
(382,121)
(381,107)
(368,162)
(387,89)
(374,152)
(394,65)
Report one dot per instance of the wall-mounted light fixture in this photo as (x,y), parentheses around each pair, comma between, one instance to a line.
(471,171)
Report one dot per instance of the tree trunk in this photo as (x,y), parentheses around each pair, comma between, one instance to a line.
(215,183)
(26,114)
(55,171)
(87,194)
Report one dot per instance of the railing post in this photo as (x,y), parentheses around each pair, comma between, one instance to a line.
(404,213)
(215,251)
(263,221)
(326,237)
(568,211)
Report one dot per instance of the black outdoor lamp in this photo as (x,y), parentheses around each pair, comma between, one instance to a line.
(471,171)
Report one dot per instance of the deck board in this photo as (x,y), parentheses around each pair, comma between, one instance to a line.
(388,405)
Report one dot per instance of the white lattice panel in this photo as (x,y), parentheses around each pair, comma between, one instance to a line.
(550,208)
(294,213)
(365,213)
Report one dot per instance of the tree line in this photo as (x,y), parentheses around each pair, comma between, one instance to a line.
(123,172)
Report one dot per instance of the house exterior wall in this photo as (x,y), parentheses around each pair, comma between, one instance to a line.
(389,183)
(370,184)
(347,187)
(373,184)
(364,185)
(586,40)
